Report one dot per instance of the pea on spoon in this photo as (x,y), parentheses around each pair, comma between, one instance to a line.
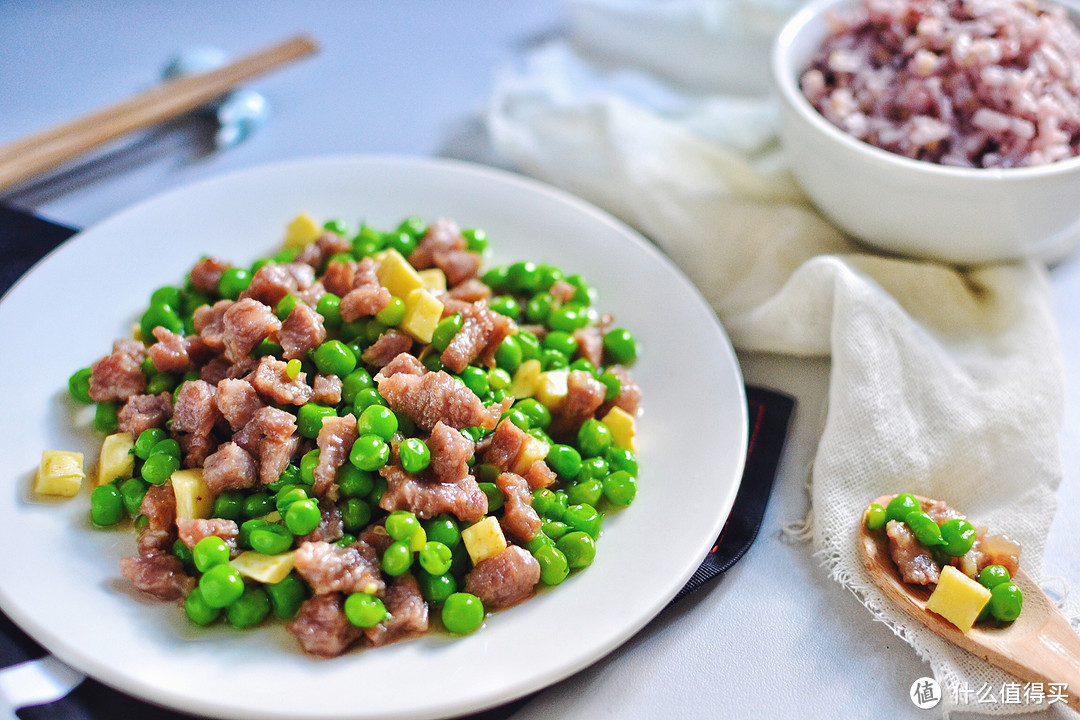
(1038,647)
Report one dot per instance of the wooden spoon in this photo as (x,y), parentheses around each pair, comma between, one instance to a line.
(1038,647)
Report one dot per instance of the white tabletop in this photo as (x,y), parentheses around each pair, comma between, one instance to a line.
(409,77)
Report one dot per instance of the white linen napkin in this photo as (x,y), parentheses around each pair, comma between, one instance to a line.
(944,382)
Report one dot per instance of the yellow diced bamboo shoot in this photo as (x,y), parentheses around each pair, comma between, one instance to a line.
(60,473)
(264,568)
(958,598)
(434,280)
(623,432)
(397,275)
(526,378)
(117,459)
(532,449)
(422,313)
(551,389)
(484,539)
(301,231)
(193,497)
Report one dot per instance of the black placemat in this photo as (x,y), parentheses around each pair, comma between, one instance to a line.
(25,239)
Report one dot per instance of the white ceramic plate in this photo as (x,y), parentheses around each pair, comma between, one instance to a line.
(59,577)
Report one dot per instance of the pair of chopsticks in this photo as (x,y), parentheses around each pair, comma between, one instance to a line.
(43,151)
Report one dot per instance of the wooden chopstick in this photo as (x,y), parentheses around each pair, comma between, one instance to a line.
(42,151)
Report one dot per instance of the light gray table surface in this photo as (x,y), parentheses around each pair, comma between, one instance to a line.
(409,78)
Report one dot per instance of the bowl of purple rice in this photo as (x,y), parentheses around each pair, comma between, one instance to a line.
(946,130)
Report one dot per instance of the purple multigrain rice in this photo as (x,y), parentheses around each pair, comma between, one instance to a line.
(969,83)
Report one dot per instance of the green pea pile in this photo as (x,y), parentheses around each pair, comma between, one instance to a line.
(952,539)
(594,473)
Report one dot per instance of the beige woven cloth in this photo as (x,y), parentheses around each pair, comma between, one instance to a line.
(943,382)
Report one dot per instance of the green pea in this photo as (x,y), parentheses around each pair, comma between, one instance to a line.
(329,306)
(183,553)
(622,459)
(168,295)
(369,452)
(415,456)
(159,383)
(285,307)
(958,535)
(593,438)
(549,275)
(445,330)
(993,575)
(583,364)
(620,487)
(530,345)
(334,357)
(538,308)
(496,278)
(578,547)
(289,476)
(403,242)
(258,504)
(158,315)
(518,418)
(612,385)
(462,613)
(498,378)
(508,355)
(1006,601)
(364,610)
(435,557)
(393,313)
(402,525)
(553,360)
(540,435)
(366,398)
(377,420)
(538,542)
(359,379)
(378,488)
(436,588)
(554,566)
(564,342)
(355,514)
(876,517)
(593,468)
(246,528)
(414,225)
(270,539)
(168,446)
(286,596)
(309,419)
(251,608)
(79,385)
(209,552)
(234,281)
(287,495)
(132,491)
(487,472)
(505,305)
(621,346)
(584,293)
(198,610)
(549,504)
(555,529)
(267,347)
(567,318)
(229,505)
(584,518)
(308,462)
(368,241)
(900,506)
(476,379)
(444,529)
(397,559)
(336,226)
(539,416)
(105,420)
(476,239)
(303,516)
(106,505)
(494,496)
(587,492)
(193,300)
(565,461)
(354,482)
(159,468)
(924,528)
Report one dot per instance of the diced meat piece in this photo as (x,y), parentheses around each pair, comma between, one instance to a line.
(310,255)
(427,399)
(406,612)
(327,390)
(470,290)
(209,322)
(192,530)
(154,542)
(375,537)
(330,243)
(590,344)
(160,574)
(443,235)
(230,467)
(303,274)
(366,272)
(241,368)
(629,397)
(914,561)
(336,438)
(270,284)
(504,579)
(450,453)
(173,353)
(339,277)
(312,295)
(362,301)
(196,408)
(458,265)
(142,412)
(207,274)
(273,382)
(195,448)
(119,375)
(464,499)
(329,568)
(238,401)
(539,475)
(302,331)
(390,344)
(519,520)
(584,396)
(215,371)
(247,322)
(939,511)
(402,363)
(322,628)
(271,437)
(482,331)
(504,445)
(330,528)
(562,291)
(159,507)
(989,550)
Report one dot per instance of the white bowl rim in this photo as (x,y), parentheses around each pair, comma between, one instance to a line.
(787,85)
